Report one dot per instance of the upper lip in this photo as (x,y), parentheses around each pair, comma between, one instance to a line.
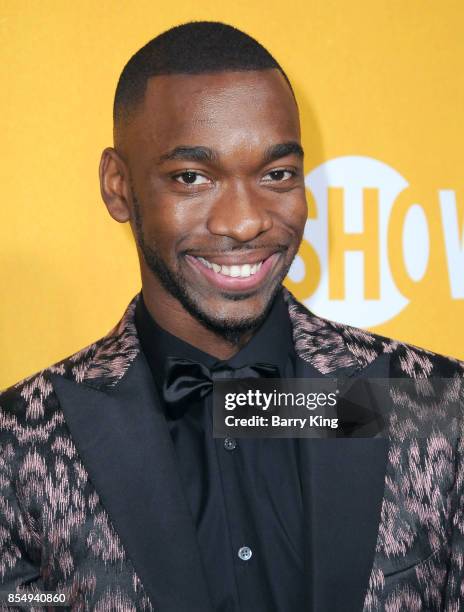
(238,258)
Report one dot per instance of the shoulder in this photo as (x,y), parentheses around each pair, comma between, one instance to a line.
(31,402)
(406,359)
(316,335)
(100,364)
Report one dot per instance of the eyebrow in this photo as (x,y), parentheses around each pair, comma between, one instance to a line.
(282,150)
(205,154)
(199,154)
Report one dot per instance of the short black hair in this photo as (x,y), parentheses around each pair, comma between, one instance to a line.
(197,47)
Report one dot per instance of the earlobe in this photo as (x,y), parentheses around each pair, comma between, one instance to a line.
(114,185)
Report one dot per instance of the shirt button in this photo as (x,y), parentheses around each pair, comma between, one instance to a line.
(245,553)
(230,444)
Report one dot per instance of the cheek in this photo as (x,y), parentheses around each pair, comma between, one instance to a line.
(295,215)
(162,224)
(160,236)
(176,218)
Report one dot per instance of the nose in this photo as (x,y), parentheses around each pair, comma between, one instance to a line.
(240,213)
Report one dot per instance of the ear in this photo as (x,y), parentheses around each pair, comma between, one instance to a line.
(114,185)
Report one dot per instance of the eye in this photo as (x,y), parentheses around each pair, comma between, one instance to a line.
(191,178)
(278,176)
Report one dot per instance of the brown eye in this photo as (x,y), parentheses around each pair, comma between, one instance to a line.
(278,176)
(190,178)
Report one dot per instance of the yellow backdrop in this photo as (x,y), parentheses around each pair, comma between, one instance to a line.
(381,91)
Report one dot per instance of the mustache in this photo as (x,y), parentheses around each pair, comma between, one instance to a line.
(236,248)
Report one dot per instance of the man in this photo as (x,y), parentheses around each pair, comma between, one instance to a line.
(114,490)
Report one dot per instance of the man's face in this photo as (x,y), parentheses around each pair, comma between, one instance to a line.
(217,192)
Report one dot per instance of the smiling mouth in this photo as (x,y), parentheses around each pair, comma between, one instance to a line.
(234,271)
(246,275)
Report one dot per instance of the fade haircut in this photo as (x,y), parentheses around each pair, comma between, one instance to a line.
(197,47)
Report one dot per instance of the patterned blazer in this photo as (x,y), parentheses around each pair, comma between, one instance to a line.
(91,503)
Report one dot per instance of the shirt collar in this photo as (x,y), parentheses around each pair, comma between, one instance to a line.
(272,343)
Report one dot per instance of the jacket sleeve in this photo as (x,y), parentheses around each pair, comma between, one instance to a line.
(454,599)
(20,546)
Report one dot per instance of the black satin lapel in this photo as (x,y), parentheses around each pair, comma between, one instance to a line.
(304,369)
(124,443)
(343,486)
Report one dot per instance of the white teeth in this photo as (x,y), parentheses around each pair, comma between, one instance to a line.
(246,270)
(205,262)
(234,271)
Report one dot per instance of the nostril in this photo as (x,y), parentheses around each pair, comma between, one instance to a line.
(243,226)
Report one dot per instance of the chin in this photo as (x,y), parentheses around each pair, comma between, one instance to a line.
(236,313)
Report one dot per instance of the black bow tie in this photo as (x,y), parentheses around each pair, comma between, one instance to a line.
(188,381)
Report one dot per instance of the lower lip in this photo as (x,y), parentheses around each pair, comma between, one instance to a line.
(234,283)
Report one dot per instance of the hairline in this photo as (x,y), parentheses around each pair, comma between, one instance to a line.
(121,119)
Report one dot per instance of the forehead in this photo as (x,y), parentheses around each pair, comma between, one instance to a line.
(220,110)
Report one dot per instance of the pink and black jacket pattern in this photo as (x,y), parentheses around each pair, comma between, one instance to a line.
(91,502)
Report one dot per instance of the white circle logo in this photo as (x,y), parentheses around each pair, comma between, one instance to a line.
(354,197)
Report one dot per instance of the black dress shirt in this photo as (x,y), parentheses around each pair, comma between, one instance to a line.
(244,494)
